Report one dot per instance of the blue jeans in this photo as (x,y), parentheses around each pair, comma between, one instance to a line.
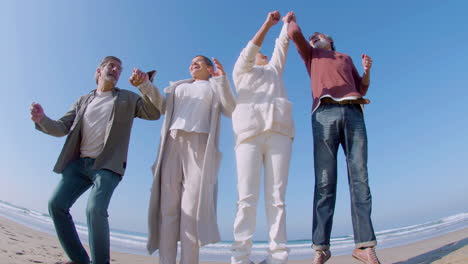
(78,177)
(333,125)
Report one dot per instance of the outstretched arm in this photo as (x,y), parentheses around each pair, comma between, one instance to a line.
(303,46)
(278,59)
(57,128)
(246,59)
(364,81)
(367,64)
(272,19)
(153,103)
(222,88)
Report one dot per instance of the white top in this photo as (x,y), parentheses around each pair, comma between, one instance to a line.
(95,121)
(192,107)
(262,102)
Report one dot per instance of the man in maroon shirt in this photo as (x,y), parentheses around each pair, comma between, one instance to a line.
(337,118)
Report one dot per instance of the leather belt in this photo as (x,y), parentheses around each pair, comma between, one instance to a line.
(328,100)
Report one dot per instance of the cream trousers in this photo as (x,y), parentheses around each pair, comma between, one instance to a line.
(180,184)
(273,151)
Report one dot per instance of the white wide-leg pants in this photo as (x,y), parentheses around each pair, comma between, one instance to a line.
(273,151)
(180,184)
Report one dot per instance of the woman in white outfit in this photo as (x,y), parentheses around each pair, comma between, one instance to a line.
(264,131)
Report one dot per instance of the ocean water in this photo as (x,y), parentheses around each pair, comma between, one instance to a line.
(133,242)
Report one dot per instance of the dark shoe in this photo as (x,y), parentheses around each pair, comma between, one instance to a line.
(321,256)
(366,255)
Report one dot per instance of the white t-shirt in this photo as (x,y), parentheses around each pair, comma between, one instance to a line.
(192,107)
(95,121)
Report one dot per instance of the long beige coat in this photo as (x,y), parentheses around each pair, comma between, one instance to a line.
(223,101)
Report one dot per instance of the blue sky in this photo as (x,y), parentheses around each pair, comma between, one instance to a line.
(416,123)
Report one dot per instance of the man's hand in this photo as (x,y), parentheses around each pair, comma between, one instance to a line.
(272,18)
(138,77)
(219,69)
(37,113)
(289,17)
(366,62)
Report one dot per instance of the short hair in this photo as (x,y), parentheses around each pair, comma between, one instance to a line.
(328,37)
(103,62)
(207,61)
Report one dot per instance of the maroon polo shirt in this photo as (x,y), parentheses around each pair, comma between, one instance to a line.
(331,73)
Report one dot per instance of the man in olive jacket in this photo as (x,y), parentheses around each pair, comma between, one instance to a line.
(94,156)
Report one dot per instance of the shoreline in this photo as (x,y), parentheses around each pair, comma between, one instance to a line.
(20,244)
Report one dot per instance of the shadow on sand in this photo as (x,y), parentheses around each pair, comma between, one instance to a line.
(436,254)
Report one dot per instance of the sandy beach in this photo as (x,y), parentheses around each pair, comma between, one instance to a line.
(22,245)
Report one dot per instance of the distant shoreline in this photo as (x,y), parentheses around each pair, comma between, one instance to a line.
(22,245)
(134,243)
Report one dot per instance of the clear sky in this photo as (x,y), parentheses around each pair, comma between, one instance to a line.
(416,122)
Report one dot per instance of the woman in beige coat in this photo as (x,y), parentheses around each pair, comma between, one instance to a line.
(184,191)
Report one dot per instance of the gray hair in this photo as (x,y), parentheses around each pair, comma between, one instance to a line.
(104,62)
(328,37)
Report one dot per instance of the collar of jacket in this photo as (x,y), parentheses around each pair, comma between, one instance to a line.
(172,85)
(115,90)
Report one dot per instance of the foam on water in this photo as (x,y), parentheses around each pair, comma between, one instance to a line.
(133,242)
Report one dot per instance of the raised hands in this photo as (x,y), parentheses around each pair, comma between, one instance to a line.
(219,69)
(272,18)
(138,77)
(290,16)
(366,62)
(37,113)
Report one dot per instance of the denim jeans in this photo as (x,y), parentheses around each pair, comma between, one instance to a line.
(78,177)
(333,125)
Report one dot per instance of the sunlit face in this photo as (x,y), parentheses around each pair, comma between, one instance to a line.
(261,59)
(199,69)
(320,40)
(110,72)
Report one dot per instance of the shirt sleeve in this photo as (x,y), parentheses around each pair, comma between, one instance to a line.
(278,59)
(245,62)
(224,93)
(303,46)
(153,96)
(60,127)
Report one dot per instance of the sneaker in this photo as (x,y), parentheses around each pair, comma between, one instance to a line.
(366,255)
(321,256)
